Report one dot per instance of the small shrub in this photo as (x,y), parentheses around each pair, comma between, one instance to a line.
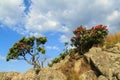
(37,71)
(84,38)
(55,60)
(58,59)
(50,64)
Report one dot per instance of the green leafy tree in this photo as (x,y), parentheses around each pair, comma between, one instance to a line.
(84,38)
(28,49)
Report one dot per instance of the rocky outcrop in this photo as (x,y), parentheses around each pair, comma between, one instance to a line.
(101,77)
(44,74)
(106,62)
(88,75)
(8,75)
(51,74)
(29,75)
(97,64)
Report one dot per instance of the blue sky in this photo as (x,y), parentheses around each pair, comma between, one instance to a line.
(54,19)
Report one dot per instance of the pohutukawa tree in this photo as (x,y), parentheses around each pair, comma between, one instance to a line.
(28,49)
(84,38)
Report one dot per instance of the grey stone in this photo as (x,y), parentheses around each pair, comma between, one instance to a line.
(118,76)
(89,75)
(114,78)
(101,77)
(106,62)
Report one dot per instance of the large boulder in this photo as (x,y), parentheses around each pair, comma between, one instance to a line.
(51,74)
(101,77)
(28,75)
(105,61)
(8,75)
(88,75)
(44,74)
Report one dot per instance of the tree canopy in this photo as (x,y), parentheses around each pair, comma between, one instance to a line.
(28,49)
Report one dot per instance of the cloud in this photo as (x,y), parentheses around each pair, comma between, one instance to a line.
(64,38)
(64,16)
(2,57)
(58,16)
(52,47)
(12,14)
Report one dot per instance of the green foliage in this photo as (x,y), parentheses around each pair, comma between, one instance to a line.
(66,43)
(31,46)
(42,50)
(58,59)
(61,56)
(50,64)
(41,40)
(84,38)
(37,71)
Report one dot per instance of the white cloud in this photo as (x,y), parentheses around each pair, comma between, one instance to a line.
(58,15)
(12,14)
(115,15)
(64,38)
(51,15)
(2,57)
(52,47)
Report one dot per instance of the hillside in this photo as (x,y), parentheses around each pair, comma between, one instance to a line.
(97,64)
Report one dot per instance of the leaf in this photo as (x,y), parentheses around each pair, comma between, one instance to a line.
(7,59)
(99,32)
(42,50)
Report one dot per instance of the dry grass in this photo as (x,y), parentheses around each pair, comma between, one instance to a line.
(68,69)
(112,39)
(84,67)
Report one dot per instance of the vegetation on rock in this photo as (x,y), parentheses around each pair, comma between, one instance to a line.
(84,38)
(72,64)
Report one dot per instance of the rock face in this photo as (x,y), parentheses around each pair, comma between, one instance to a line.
(98,64)
(107,62)
(8,75)
(88,75)
(45,74)
(51,74)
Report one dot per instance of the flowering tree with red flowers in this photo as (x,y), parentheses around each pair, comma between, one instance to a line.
(84,38)
(28,49)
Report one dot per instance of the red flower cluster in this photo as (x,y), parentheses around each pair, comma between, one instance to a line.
(84,38)
(81,28)
(93,28)
(75,31)
(22,46)
(99,27)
